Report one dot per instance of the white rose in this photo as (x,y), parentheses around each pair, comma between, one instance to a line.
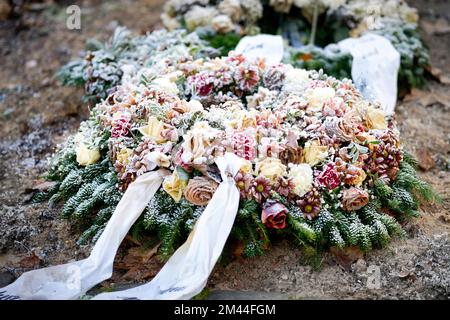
(296,80)
(194,106)
(166,85)
(302,177)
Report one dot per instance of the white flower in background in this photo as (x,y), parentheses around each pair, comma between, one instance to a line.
(199,17)
(296,80)
(302,177)
(232,8)
(318,96)
(169,22)
(253,10)
(164,84)
(222,23)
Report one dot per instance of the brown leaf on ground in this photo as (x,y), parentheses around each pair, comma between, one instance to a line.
(439,75)
(42,185)
(347,256)
(30,262)
(439,27)
(139,265)
(424,159)
(427,98)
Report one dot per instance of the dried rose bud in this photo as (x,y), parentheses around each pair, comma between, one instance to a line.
(274,215)
(354,199)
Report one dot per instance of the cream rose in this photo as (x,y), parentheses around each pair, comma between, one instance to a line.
(175,186)
(194,106)
(158,158)
(318,96)
(313,153)
(153,129)
(270,168)
(86,156)
(302,177)
(246,166)
(376,119)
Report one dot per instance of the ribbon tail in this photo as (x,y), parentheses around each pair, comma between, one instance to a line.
(187,271)
(69,281)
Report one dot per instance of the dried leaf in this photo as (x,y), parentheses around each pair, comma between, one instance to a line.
(30,262)
(439,27)
(347,256)
(427,98)
(42,185)
(425,160)
(439,75)
(138,265)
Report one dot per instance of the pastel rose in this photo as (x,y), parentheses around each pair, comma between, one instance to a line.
(354,199)
(271,168)
(274,215)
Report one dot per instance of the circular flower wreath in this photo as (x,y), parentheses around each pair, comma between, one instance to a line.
(322,166)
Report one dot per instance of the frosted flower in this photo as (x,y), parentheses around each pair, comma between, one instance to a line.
(232,8)
(296,81)
(199,17)
(317,97)
(85,155)
(222,24)
(247,77)
(166,85)
(302,178)
(270,168)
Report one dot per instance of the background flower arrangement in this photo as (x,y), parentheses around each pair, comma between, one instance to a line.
(105,66)
(320,165)
(310,28)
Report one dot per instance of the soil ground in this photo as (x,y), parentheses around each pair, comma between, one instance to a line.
(37,113)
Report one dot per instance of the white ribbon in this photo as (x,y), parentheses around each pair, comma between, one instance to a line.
(183,276)
(375,68)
